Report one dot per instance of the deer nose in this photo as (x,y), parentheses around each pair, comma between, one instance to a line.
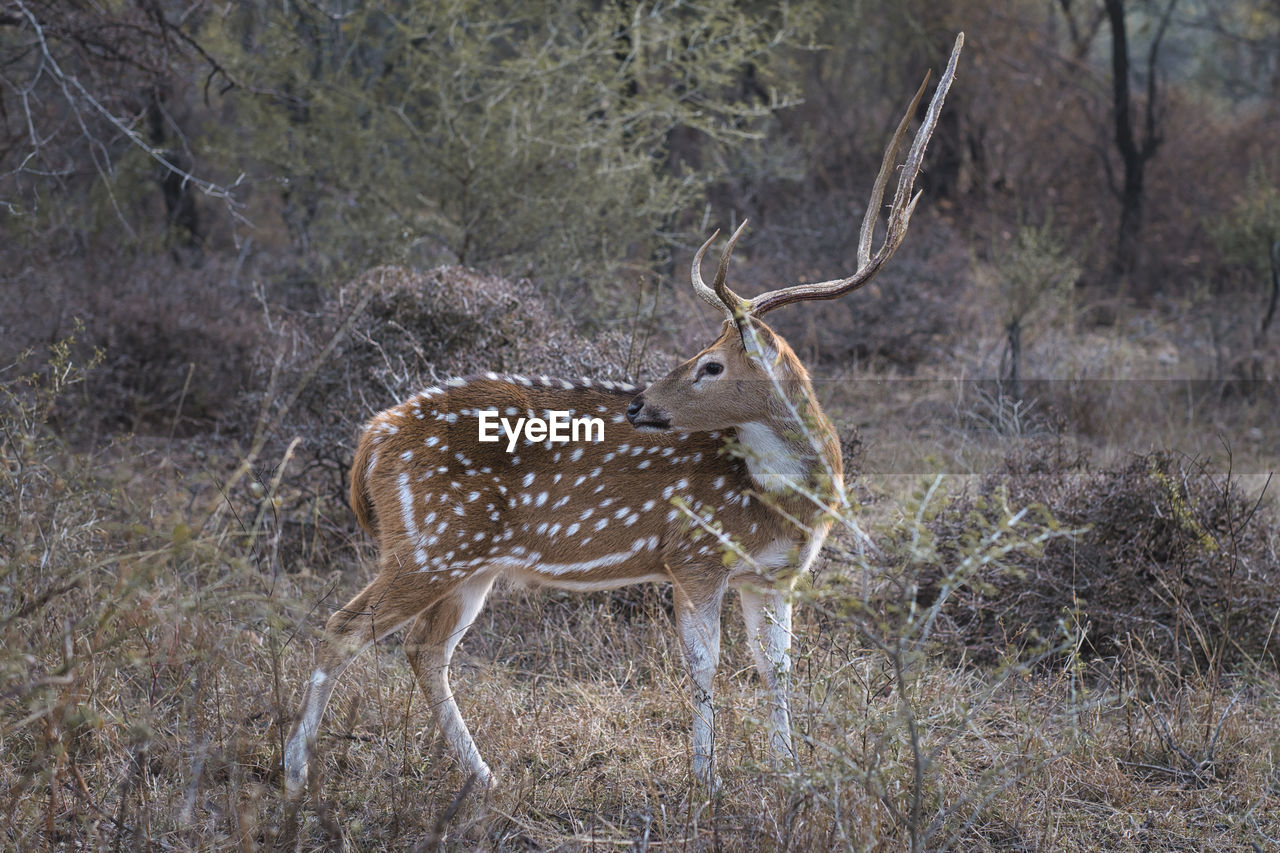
(633,411)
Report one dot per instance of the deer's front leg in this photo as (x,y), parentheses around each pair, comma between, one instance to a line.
(698,622)
(767,614)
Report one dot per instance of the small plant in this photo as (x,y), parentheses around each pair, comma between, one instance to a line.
(907,717)
(1034,275)
(1002,411)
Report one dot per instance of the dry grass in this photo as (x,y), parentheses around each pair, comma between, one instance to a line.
(150,713)
(152,649)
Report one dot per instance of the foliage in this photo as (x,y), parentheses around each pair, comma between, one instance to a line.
(533,135)
(1035,275)
(1035,272)
(897,599)
(1246,235)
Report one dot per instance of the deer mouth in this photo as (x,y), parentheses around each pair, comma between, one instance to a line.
(651,425)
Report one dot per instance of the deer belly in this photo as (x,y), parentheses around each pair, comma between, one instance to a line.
(578,569)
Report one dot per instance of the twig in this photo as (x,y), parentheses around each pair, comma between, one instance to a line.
(265,428)
(433,841)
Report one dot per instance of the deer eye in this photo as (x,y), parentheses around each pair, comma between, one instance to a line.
(713,368)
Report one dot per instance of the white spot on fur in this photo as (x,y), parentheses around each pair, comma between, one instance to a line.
(406,506)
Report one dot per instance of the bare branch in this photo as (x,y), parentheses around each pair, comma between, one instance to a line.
(81,100)
(1152,139)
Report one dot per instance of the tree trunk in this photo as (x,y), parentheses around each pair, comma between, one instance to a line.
(1134,156)
(1126,257)
(1013,333)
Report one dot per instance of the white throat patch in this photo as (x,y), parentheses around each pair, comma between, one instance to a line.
(773,463)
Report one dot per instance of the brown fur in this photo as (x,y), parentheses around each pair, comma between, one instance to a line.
(361,500)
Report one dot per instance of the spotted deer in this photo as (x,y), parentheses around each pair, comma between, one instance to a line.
(724,474)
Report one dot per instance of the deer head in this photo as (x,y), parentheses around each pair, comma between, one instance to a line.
(750,375)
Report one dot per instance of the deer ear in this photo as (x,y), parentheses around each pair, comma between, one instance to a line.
(752,343)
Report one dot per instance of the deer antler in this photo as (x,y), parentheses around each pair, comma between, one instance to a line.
(903,205)
(719,293)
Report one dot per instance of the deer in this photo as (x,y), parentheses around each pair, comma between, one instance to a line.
(723,475)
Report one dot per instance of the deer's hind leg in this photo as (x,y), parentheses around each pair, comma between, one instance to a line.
(430,646)
(392,599)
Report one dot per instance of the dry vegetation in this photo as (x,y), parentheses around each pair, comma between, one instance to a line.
(1053,654)
(1051,622)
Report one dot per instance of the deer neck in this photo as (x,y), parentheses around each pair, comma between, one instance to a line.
(785,457)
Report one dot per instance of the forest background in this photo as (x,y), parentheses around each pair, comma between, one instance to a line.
(230,232)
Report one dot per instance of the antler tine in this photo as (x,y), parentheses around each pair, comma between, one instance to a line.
(904,204)
(695,275)
(872,215)
(719,293)
(737,306)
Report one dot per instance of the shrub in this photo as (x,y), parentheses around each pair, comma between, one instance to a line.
(1170,558)
(380,338)
(177,344)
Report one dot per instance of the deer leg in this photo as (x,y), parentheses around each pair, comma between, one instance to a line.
(430,646)
(698,623)
(767,614)
(380,609)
